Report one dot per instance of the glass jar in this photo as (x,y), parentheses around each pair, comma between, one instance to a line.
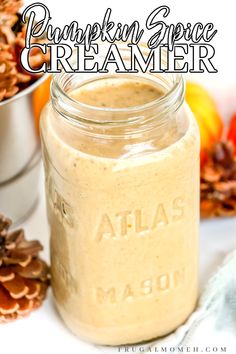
(122,188)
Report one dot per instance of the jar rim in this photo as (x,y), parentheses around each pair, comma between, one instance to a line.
(77,107)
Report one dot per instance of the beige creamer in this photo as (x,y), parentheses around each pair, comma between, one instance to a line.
(121,157)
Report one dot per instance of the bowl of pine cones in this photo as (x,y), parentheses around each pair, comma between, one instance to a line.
(19,102)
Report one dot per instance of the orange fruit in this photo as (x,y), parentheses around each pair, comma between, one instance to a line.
(40,98)
(207,116)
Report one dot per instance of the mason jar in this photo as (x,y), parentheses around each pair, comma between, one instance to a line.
(121,158)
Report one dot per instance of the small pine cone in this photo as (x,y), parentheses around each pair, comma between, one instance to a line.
(8,12)
(10,6)
(24,277)
(7,36)
(10,78)
(218,182)
(8,73)
(13,77)
(5,53)
(8,19)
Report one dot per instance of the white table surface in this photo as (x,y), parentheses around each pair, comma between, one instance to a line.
(43,330)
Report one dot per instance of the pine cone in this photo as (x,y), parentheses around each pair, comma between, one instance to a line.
(10,78)
(8,73)
(8,12)
(24,277)
(7,36)
(10,6)
(13,77)
(218,182)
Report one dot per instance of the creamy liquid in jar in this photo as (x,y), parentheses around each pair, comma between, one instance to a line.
(123,219)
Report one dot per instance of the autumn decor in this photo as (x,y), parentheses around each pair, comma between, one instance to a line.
(218,155)
(218,181)
(232,132)
(24,276)
(13,77)
(207,116)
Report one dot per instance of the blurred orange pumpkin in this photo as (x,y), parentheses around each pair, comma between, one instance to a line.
(206,114)
(40,98)
(232,132)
